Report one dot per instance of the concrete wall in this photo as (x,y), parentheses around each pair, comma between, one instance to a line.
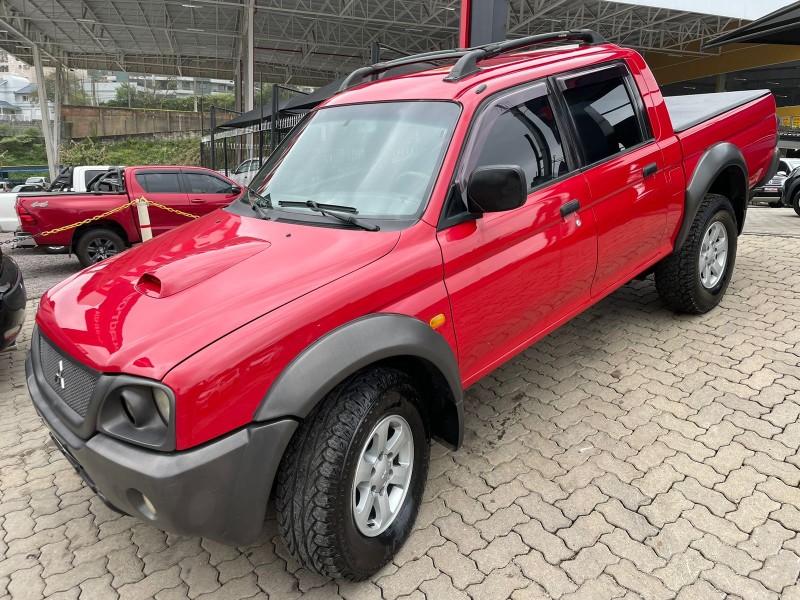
(80,122)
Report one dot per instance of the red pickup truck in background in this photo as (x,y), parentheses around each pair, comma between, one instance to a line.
(192,190)
(409,236)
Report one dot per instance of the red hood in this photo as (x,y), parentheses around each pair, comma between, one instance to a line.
(151,307)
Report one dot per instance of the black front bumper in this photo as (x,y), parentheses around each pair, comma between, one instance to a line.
(772,195)
(12,301)
(218,491)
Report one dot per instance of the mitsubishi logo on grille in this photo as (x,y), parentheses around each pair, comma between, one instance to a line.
(59,377)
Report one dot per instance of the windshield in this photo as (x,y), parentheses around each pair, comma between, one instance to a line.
(380,159)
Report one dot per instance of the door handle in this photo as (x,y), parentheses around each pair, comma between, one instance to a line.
(197,201)
(570,207)
(650,169)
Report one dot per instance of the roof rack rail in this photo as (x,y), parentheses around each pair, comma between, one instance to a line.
(468,57)
(358,75)
(468,63)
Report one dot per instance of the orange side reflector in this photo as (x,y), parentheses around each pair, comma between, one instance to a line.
(437,321)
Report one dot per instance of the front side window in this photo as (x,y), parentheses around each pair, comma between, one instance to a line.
(203,183)
(381,159)
(526,135)
(603,111)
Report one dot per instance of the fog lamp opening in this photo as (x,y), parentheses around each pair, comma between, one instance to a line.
(142,504)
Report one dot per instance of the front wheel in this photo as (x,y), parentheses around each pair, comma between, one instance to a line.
(351,482)
(694,279)
(796,203)
(98,244)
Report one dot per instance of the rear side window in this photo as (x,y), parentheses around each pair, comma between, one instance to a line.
(604,112)
(526,135)
(203,183)
(159,183)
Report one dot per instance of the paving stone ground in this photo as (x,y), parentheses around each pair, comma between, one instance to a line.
(632,453)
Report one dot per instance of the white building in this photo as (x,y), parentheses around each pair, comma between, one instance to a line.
(20,100)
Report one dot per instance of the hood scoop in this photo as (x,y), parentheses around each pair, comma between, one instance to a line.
(178,273)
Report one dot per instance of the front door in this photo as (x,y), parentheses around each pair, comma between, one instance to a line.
(207,192)
(512,275)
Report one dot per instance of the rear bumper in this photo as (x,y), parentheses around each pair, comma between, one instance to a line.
(12,302)
(218,491)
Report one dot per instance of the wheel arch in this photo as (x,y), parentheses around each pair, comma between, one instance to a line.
(721,170)
(393,340)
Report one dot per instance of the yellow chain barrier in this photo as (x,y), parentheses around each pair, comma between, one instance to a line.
(116,210)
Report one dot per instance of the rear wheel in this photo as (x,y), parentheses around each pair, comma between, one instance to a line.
(694,279)
(351,482)
(796,203)
(98,244)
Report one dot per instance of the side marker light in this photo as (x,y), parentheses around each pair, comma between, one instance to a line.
(437,321)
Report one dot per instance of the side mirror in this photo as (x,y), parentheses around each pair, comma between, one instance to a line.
(235,189)
(496,188)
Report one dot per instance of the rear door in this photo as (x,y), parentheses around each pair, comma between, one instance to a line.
(164,186)
(624,167)
(511,275)
(207,192)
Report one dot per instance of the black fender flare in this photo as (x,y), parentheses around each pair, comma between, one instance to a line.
(338,354)
(714,161)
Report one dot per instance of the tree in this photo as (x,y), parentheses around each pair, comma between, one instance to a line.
(72,91)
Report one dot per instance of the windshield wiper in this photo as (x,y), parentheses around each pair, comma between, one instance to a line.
(327,210)
(316,206)
(261,203)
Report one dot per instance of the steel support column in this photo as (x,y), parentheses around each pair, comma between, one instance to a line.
(483,22)
(45,111)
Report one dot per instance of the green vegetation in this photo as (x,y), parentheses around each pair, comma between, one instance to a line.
(27,148)
(21,148)
(128,96)
(132,152)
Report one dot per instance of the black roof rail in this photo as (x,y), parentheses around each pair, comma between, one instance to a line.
(468,63)
(358,75)
(468,58)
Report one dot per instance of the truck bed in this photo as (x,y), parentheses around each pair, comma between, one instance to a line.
(688,111)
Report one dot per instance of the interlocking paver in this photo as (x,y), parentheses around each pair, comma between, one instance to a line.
(779,571)
(643,454)
(683,569)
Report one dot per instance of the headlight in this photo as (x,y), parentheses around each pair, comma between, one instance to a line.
(139,411)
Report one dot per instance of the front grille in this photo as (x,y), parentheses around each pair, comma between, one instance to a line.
(78,383)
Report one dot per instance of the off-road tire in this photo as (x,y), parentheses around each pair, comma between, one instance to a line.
(678,275)
(796,203)
(313,490)
(82,248)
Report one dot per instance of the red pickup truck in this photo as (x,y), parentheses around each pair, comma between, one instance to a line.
(192,190)
(408,237)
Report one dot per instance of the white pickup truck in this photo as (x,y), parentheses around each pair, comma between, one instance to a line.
(72,179)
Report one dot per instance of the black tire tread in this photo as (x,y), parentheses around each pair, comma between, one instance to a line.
(80,245)
(315,456)
(796,203)
(675,274)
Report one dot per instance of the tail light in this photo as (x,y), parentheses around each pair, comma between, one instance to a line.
(25,218)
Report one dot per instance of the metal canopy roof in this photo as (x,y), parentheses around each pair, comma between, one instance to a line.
(779,27)
(305,42)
